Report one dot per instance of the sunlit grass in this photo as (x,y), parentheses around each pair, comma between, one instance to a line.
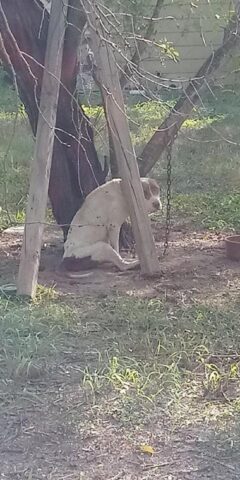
(146,352)
(212,211)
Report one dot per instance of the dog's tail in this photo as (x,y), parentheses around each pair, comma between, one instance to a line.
(73,275)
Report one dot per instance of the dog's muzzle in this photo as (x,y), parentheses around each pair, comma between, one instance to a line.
(157,205)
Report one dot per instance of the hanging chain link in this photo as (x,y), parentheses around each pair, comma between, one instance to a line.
(169,195)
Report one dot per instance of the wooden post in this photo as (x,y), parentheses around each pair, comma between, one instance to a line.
(38,192)
(107,75)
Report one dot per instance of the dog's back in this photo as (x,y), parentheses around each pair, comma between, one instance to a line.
(102,207)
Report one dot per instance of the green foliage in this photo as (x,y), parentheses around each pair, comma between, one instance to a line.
(16,147)
(205,163)
(214,211)
(9,100)
(146,117)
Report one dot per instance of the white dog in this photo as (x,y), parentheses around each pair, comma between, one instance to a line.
(93,237)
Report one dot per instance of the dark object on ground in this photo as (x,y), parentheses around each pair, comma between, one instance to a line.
(232,244)
(126,239)
(72,264)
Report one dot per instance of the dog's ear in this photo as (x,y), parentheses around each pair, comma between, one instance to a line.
(146,189)
(154,187)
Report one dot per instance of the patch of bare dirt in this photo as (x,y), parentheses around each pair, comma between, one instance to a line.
(52,432)
(55,434)
(196,266)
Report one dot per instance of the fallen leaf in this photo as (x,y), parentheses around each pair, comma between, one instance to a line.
(146,449)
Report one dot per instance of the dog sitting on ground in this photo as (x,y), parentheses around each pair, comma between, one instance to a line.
(93,237)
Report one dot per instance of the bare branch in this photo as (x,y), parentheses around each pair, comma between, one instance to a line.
(141,44)
(167,131)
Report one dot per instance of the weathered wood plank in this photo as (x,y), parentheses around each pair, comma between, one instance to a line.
(106,72)
(39,182)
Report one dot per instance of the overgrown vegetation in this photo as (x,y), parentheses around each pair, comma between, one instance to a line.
(122,360)
(142,352)
(206,172)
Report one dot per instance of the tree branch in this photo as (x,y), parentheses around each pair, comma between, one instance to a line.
(127,72)
(76,20)
(141,45)
(165,134)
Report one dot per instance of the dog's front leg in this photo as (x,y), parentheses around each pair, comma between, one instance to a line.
(113,236)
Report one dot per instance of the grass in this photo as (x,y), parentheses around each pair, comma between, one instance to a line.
(118,370)
(16,148)
(206,178)
(142,352)
(214,211)
(123,362)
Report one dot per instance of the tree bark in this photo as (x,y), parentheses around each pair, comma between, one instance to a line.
(167,131)
(75,170)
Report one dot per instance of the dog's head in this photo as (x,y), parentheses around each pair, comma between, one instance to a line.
(151,192)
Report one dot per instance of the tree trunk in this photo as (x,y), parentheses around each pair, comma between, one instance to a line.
(75,170)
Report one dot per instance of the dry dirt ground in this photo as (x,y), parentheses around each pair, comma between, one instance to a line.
(196,264)
(53,432)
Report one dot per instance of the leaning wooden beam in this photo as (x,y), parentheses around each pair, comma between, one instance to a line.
(107,74)
(39,182)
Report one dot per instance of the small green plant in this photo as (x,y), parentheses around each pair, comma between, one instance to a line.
(213,378)
(122,377)
(45,293)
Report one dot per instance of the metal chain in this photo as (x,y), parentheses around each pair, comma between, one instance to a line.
(168,210)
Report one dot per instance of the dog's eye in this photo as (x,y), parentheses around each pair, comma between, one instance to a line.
(155,189)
